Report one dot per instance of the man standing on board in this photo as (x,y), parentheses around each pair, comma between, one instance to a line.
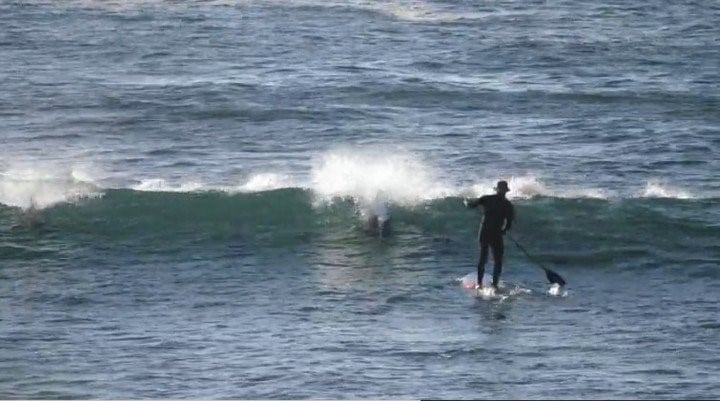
(497,219)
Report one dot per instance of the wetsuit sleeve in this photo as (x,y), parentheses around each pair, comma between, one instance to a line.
(476,202)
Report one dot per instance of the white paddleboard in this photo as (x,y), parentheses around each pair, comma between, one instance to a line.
(487,292)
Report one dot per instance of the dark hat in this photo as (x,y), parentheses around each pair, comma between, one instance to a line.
(502,186)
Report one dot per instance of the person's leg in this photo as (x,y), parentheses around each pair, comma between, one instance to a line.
(498,248)
(481,263)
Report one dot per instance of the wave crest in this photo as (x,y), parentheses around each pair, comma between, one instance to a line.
(376,175)
(657,189)
(42,187)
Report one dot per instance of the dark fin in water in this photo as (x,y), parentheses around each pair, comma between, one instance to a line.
(554,277)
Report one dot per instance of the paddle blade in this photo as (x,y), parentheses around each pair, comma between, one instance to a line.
(554,277)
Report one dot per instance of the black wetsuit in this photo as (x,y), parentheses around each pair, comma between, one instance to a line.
(499,214)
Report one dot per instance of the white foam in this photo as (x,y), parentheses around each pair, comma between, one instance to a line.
(557,290)
(41,186)
(520,187)
(529,186)
(266,182)
(377,177)
(255,183)
(488,292)
(162,185)
(657,189)
(374,178)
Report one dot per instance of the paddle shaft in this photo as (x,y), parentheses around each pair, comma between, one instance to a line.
(551,275)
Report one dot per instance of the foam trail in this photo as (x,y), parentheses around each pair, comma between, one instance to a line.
(256,183)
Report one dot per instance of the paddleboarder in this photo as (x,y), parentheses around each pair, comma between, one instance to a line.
(497,220)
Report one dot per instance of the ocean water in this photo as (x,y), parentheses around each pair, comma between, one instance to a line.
(186,189)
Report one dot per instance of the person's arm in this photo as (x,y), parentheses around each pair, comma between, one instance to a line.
(474,202)
(509,217)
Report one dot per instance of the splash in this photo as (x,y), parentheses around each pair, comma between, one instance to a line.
(657,189)
(556,290)
(520,187)
(376,177)
(266,182)
(39,187)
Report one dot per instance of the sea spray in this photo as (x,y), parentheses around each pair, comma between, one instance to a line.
(659,189)
(41,186)
(266,182)
(375,176)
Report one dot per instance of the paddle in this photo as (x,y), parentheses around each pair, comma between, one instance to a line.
(551,275)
